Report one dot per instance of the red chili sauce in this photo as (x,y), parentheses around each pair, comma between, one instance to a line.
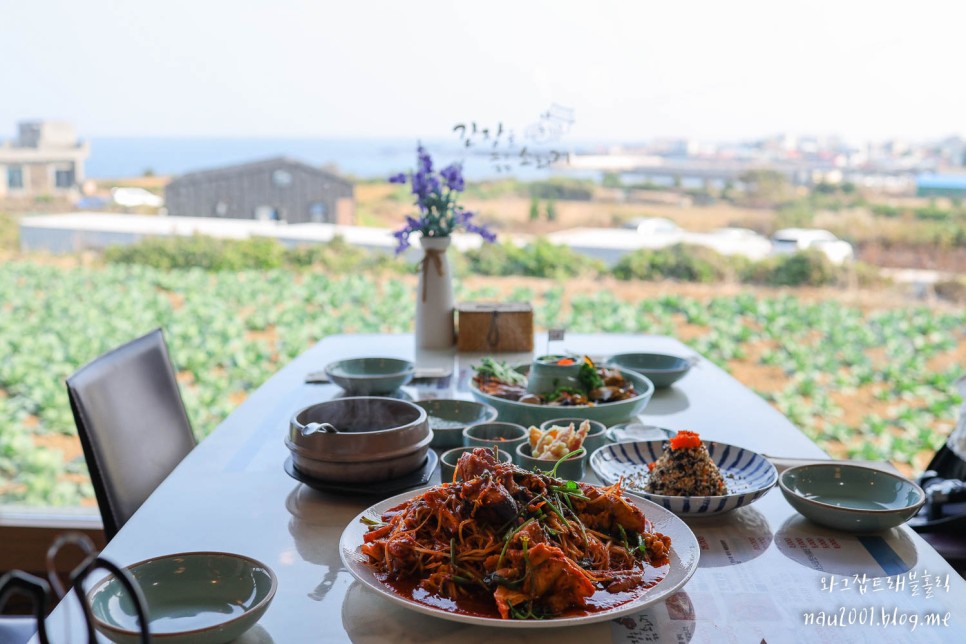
(483,605)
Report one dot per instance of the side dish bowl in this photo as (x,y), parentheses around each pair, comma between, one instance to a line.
(449,417)
(196,597)
(370,376)
(662,369)
(572,469)
(852,498)
(500,434)
(748,475)
(596,437)
(449,459)
(607,413)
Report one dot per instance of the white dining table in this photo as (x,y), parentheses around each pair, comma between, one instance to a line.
(765,573)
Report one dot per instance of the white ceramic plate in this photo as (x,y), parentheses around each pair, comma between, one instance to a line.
(747,474)
(683,563)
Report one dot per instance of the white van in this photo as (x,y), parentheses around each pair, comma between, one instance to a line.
(793,240)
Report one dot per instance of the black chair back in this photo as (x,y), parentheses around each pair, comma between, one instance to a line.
(132,424)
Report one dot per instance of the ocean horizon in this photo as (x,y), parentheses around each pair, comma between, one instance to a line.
(119,157)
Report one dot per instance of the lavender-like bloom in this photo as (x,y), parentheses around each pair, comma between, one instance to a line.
(419,185)
(440,215)
(425,161)
(461,217)
(484,232)
(453,175)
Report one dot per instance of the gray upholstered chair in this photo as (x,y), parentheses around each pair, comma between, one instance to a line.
(132,424)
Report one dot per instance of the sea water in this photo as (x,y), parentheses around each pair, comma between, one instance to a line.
(114,157)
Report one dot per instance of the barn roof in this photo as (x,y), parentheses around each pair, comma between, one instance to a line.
(271,162)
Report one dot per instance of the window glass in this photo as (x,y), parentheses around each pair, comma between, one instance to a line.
(282,178)
(64,178)
(317,212)
(15,177)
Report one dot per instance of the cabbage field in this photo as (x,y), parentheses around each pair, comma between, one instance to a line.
(867,384)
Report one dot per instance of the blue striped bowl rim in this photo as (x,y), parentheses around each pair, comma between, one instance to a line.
(748,475)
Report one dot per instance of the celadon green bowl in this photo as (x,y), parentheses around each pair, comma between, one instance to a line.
(448,417)
(571,469)
(199,597)
(370,376)
(851,498)
(662,369)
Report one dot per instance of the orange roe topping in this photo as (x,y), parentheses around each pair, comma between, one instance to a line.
(566,362)
(685,440)
(651,465)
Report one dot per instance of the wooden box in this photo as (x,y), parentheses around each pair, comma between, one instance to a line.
(494,327)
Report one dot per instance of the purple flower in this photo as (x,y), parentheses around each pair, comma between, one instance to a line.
(425,161)
(453,175)
(439,214)
(419,185)
(484,232)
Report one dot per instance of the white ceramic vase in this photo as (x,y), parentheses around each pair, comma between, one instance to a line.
(434,298)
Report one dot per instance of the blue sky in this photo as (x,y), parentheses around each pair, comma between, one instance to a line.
(630,70)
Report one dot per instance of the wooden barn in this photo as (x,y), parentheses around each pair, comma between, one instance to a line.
(279,189)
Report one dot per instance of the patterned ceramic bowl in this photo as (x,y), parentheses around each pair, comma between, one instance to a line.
(748,475)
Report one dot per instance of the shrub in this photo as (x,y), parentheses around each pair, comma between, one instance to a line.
(339,256)
(9,232)
(680,262)
(565,189)
(932,212)
(885,210)
(494,189)
(539,259)
(259,253)
(808,268)
(797,214)
(951,290)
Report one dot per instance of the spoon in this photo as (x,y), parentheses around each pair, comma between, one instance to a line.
(319,428)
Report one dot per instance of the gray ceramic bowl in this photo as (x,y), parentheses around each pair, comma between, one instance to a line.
(370,376)
(607,413)
(851,497)
(596,437)
(572,469)
(193,597)
(449,458)
(449,417)
(377,439)
(506,436)
(662,369)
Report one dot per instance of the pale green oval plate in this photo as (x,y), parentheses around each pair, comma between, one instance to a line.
(607,413)
(200,597)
